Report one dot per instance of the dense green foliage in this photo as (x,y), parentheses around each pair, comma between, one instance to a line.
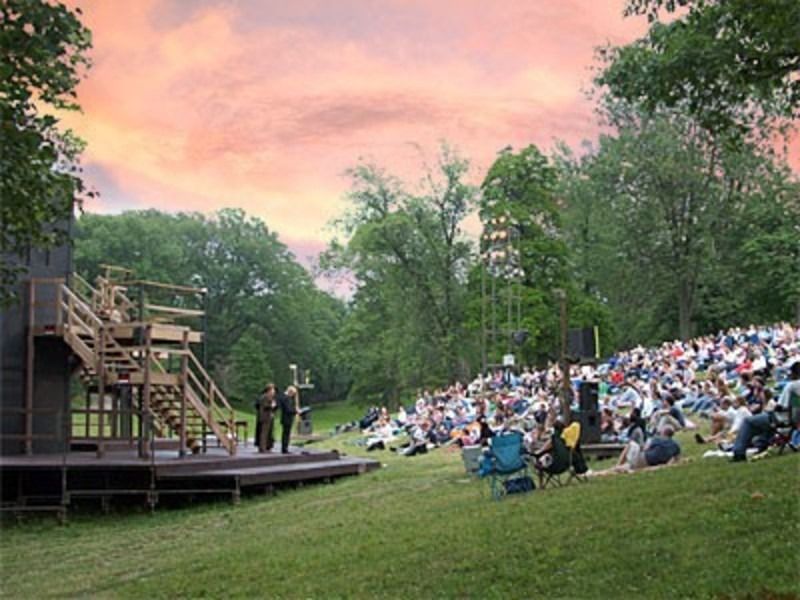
(410,258)
(688,192)
(732,64)
(264,311)
(690,218)
(522,189)
(43,51)
(420,527)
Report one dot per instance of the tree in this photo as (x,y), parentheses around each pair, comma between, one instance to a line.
(679,233)
(249,365)
(731,63)
(410,259)
(522,188)
(264,311)
(753,274)
(43,52)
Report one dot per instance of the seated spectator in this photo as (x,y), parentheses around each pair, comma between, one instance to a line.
(726,423)
(382,433)
(669,415)
(542,454)
(608,430)
(418,444)
(722,418)
(402,417)
(369,418)
(658,450)
(792,389)
(755,431)
(760,427)
(636,427)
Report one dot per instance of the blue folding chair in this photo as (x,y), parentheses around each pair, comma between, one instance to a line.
(504,462)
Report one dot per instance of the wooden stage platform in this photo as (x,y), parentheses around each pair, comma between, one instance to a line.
(56,481)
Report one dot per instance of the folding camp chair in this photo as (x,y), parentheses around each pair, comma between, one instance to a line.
(784,432)
(504,462)
(550,473)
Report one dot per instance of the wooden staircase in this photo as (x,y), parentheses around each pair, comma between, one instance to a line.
(182,400)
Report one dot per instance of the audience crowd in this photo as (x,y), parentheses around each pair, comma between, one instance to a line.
(740,380)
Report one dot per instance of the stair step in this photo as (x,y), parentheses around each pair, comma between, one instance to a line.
(316,469)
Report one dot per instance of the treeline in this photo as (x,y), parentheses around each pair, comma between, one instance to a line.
(264,311)
(655,233)
(682,219)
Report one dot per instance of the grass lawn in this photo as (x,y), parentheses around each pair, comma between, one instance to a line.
(420,528)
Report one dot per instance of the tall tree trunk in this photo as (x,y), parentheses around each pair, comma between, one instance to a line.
(684,310)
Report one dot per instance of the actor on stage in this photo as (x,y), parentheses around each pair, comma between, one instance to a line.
(265,411)
(289,403)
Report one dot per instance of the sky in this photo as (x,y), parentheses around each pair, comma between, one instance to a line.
(263,105)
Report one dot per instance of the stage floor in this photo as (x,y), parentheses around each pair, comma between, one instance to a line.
(55,480)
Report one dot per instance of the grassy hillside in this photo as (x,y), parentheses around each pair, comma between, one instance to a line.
(420,528)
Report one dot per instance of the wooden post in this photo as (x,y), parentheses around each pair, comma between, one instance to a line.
(114,416)
(70,311)
(29,370)
(209,412)
(184,391)
(100,369)
(295,383)
(87,415)
(59,301)
(565,393)
(67,426)
(144,449)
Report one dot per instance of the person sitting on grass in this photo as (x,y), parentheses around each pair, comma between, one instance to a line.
(418,444)
(669,415)
(381,433)
(725,424)
(636,427)
(608,430)
(658,450)
(721,420)
(760,427)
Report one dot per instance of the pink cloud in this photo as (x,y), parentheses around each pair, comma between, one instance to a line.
(203,105)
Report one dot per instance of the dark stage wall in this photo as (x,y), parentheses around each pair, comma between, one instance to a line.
(51,373)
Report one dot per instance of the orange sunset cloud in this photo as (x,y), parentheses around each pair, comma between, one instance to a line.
(263,105)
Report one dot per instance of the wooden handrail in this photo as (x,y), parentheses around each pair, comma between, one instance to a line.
(112,298)
(159,349)
(82,305)
(172,310)
(108,267)
(79,279)
(208,378)
(184,289)
(71,315)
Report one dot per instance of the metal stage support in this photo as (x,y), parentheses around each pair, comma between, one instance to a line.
(500,257)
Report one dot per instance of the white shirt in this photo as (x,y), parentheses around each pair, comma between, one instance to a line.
(793,387)
(741,414)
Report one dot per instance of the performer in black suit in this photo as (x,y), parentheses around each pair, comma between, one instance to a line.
(289,404)
(265,412)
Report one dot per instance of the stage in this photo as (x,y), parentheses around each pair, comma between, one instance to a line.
(54,482)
